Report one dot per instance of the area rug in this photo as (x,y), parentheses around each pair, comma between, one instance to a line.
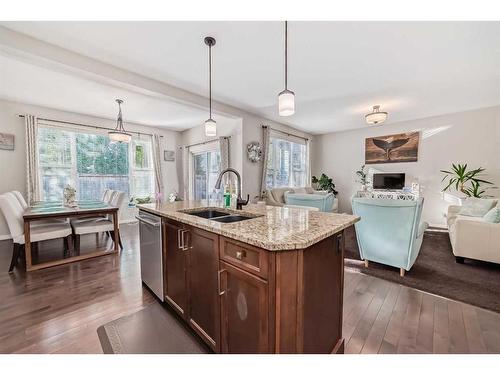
(435,271)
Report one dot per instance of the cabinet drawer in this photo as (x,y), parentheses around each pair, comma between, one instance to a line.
(244,256)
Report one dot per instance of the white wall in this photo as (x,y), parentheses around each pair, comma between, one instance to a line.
(13,163)
(243,130)
(471,137)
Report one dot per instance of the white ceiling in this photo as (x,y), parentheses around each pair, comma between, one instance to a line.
(33,84)
(338,70)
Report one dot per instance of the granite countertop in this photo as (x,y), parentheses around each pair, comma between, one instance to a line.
(275,228)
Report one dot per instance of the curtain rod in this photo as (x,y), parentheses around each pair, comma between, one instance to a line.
(203,143)
(289,134)
(88,126)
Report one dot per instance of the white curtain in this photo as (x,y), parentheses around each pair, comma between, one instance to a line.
(32,179)
(266,131)
(224,156)
(157,165)
(185,171)
(308,162)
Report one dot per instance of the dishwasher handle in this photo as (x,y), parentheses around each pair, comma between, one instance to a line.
(152,223)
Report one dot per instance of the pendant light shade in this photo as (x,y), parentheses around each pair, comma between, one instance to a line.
(286,98)
(119,134)
(210,128)
(376,116)
(210,124)
(286,103)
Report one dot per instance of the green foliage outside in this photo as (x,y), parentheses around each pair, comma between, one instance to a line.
(97,155)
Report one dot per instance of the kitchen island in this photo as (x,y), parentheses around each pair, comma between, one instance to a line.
(269,282)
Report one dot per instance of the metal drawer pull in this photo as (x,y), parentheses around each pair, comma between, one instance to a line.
(179,239)
(241,254)
(219,273)
(184,246)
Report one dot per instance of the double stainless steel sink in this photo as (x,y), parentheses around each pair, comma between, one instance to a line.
(219,216)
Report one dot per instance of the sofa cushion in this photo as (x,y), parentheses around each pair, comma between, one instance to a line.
(477,207)
(300,191)
(493,215)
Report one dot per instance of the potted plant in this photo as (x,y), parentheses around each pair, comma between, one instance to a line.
(465,181)
(362,177)
(324,183)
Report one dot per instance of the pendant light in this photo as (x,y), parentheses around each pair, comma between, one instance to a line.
(210,124)
(286,98)
(119,134)
(376,116)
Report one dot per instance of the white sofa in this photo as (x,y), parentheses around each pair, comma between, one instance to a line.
(472,237)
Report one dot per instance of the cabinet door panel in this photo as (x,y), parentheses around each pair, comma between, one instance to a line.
(176,289)
(203,289)
(244,311)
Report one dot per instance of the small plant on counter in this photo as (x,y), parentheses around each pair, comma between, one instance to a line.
(466,181)
(324,183)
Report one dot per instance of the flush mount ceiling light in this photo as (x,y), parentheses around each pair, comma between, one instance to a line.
(286,98)
(376,116)
(119,134)
(210,124)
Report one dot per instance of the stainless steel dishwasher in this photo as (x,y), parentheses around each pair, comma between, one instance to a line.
(151,252)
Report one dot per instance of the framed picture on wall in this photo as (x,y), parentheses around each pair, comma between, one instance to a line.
(169,155)
(395,148)
(6,141)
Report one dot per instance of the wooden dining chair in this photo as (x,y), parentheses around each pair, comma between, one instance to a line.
(13,213)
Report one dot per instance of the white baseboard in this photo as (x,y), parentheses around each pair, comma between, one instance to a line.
(5,237)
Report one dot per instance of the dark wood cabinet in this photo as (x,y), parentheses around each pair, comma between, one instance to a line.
(176,293)
(244,311)
(244,299)
(203,302)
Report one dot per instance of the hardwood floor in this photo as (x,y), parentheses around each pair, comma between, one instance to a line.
(58,310)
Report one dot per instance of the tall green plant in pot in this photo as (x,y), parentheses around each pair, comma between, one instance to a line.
(464,180)
(324,183)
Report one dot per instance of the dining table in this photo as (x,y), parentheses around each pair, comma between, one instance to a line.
(44,210)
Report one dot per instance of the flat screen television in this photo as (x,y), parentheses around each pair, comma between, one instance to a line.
(389,181)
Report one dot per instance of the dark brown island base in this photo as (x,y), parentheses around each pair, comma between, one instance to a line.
(284,296)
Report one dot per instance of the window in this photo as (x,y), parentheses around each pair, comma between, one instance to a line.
(142,176)
(205,168)
(286,163)
(91,163)
(100,165)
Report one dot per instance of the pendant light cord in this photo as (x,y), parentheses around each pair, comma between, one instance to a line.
(210,79)
(286,55)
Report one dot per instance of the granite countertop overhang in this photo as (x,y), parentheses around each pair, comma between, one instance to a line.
(274,228)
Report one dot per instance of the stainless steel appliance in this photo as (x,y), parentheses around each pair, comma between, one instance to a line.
(151,252)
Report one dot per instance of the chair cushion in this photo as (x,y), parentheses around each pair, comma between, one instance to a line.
(279,194)
(493,215)
(45,232)
(92,226)
(477,207)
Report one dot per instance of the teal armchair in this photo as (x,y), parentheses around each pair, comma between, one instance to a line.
(324,202)
(390,231)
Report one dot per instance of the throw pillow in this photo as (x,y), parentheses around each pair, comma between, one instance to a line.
(477,207)
(492,216)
